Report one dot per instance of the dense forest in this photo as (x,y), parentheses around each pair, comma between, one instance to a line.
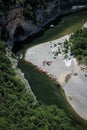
(17,106)
(79,45)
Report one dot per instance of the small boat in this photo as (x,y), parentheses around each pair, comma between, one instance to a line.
(51,26)
(20,56)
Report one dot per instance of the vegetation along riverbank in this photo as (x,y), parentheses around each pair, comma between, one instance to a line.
(38,103)
(17,106)
(80,23)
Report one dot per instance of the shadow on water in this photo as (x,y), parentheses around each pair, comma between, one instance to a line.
(21,44)
(62,26)
(45,89)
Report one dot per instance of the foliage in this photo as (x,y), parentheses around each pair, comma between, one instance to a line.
(79,44)
(28,6)
(28,12)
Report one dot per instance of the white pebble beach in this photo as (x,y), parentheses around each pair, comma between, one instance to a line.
(59,68)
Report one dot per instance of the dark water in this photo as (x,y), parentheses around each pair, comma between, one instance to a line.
(45,89)
(48,91)
(63,25)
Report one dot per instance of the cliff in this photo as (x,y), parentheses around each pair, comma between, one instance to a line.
(20,20)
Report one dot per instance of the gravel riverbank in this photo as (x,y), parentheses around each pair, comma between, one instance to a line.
(67,72)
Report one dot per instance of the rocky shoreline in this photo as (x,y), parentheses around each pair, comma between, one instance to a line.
(19,73)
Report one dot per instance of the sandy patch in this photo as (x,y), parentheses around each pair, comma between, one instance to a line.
(48,59)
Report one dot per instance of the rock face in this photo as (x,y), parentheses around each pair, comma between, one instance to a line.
(14,27)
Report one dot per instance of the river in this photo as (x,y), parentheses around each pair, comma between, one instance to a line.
(45,89)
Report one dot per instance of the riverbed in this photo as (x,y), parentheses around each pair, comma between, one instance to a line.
(41,85)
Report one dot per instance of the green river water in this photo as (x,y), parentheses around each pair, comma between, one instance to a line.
(45,89)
